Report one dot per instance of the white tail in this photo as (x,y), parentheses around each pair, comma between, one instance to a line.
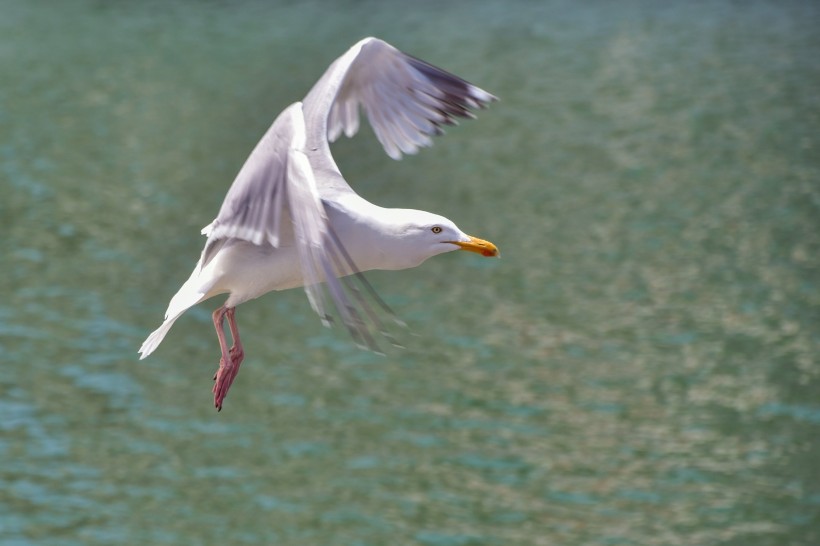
(153,341)
(189,295)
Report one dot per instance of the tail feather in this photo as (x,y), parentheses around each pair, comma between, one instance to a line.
(189,295)
(156,337)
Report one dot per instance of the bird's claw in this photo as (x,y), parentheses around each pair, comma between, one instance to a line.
(225,375)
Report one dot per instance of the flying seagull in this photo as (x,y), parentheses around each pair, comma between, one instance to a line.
(290,219)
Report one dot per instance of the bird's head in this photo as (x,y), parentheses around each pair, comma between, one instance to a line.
(424,235)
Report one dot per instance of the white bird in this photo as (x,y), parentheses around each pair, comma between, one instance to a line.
(290,219)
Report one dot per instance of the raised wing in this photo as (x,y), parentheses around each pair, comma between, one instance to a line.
(275,200)
(406,100)
(254,207)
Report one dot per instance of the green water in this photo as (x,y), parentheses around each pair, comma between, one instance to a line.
(640,368)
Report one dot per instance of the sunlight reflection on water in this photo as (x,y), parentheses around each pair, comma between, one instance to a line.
(639,368)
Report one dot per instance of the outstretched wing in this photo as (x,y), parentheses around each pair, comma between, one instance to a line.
(406,100)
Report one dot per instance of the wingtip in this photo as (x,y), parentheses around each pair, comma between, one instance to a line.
(480,99)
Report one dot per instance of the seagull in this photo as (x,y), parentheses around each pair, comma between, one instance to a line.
(291,220)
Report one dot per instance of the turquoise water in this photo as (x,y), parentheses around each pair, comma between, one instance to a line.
(641,366)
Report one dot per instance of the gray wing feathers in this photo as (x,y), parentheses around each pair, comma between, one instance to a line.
(253,207)
(406,99)
(309,228)
(322,257)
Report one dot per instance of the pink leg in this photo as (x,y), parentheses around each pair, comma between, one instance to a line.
(237,353)
(231,358)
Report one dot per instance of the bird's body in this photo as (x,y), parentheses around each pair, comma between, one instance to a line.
(290,219)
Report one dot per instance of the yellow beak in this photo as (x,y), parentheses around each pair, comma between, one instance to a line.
(479,246)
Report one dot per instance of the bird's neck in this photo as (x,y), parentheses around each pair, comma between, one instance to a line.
(373,235)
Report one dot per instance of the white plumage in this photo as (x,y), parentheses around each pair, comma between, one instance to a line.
(290,219)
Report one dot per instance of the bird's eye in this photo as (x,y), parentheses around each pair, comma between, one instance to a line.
(436,229)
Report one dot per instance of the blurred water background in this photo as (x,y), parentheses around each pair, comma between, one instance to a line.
(641,366)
